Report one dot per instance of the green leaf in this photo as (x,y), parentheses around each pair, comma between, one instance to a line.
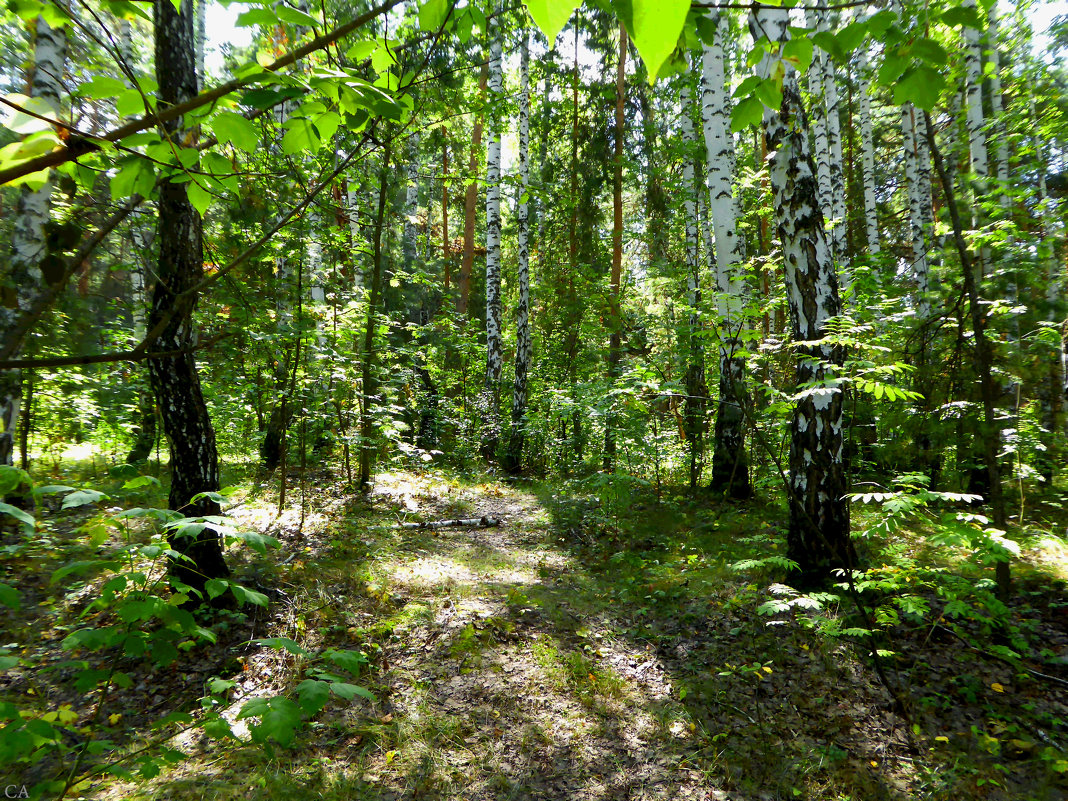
(327,125)
(300,136)
(11,478)
(9,596)
(930,51)
(432,14)
(254,540)
(295,17)
(348,691)
(256,16)
(966,16)
(313,695)
(8,662)
(130,104)
(22,123)
(215,587)
(749,112)
(83,498)
(245,595)
(200,197)
(352,661)
(279,718)
(656,25)
(920,86)
(283,644)
(798,52)
(141,481)
(231,128)
(102,87)
(552,15)
(22,516)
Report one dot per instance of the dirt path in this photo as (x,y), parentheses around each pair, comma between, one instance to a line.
(503,685)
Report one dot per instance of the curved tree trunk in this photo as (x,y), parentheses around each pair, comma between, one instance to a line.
(818,536)
(194,459)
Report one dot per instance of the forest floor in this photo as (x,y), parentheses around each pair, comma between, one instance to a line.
(595,645)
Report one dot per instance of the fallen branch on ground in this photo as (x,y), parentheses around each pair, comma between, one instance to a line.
(480,522)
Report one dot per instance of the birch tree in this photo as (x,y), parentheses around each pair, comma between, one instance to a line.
(867,147)
(818,535)
(696,387)
(491,393)
(730,467)
(524,350)
(33,213)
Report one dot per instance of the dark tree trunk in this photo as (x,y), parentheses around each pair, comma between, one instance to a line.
(146,431)
(370,383)
(194,458)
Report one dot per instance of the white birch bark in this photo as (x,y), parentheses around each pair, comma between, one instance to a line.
(819,130)
(524,351)
(973,69)
(729,467)
(202,38)
(352,204)
(494,359)
(837,227)
(867,148)
(917,199)
(28,241)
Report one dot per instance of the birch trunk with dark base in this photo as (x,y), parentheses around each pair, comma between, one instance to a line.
(274,435)
(818,535)
(512,460)
(194,458)
(730,467)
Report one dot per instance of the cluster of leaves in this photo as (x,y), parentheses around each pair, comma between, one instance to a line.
(139,613)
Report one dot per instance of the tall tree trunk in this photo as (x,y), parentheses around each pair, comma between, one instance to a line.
(145,436)
(411,205)
(819,131)
(446,252)
(194,458)
(202,38)
(997,111)
(524,350)
(696,388)
(26,276)
(818,535)
(368,378)
(730,467)
(615,317)
(867,147)
(491,416)
(470,205)
(914,186)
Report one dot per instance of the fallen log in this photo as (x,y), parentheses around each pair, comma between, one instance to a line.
(479,522)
